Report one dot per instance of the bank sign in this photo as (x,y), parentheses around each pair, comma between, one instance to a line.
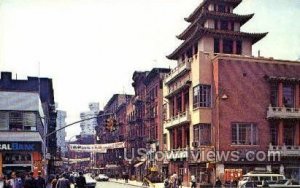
(20,146)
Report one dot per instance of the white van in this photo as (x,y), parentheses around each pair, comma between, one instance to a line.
(259,177)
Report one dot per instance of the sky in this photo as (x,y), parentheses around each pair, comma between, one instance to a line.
(90,48)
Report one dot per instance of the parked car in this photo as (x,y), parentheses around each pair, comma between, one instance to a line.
(102,177)
(90,182)
(285,183)
(259,177)
(249,184)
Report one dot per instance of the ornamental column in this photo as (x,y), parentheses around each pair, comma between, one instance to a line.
(234,47)
(280,94)
(280,133)
(221,45)
(175,138)
(175,106)
(297,92)
(182,102)
(183,137)
(297,134)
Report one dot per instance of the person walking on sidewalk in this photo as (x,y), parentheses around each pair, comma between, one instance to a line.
(218,183)
(80,181)
(30,182)
(40,181)
(193,181)
(63,182)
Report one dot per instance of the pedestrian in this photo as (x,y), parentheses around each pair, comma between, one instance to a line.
(193,181)
(179,181)
(6,182)
(166,183)
(63,182)
(54,181)
(218,183)
(80,181)
(30,182)
(175,182)
(15,182)
(40,181)
(49,181)
(126,177)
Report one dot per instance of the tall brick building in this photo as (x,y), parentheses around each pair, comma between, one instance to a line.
(221,98)
(27,114)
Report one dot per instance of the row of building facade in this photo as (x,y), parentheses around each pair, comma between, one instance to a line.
(218,99)
(27,115)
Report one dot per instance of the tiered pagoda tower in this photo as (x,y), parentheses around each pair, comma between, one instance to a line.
(215,28)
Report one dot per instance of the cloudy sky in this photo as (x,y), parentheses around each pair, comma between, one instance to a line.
(91,47)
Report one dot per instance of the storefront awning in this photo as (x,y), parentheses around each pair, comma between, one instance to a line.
(139,164)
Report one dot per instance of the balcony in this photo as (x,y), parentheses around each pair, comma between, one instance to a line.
(285,151)
(179,86)
(283,113)
(178,120)
(177,154)
(178,71)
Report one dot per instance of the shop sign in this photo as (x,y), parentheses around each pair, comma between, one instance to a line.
(20,146)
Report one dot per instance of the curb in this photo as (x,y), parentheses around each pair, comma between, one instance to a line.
(125,183)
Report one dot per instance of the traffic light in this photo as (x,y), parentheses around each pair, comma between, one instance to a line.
(111,124)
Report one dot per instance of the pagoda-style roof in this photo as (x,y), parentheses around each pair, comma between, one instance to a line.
(212,14)
(197,11)
(201,31)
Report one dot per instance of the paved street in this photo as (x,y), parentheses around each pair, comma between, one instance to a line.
(113,185)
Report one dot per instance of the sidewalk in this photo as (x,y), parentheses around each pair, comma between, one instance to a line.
(138,184)
(122,181)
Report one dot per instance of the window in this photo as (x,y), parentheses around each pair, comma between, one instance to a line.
(202,134)
(227,46)
(274,94)
(216,45)
(15,121)
(4,120)
(274,133)
(239,47)
(196,49)
(244,134)
(165,138)
(232,25)
(178,102)
(289,134)
(221,8)
(216,24)
(202,96)
(224,25)
(288,95)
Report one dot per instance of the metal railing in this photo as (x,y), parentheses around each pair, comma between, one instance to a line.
(283,112)
(177,71)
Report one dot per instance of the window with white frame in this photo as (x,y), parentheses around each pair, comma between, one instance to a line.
(202,134)
(202,96)
(244,134)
